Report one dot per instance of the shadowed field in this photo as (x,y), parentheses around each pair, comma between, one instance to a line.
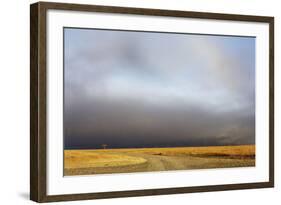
(101,161)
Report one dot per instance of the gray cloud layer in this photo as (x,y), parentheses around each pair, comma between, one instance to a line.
(141,89)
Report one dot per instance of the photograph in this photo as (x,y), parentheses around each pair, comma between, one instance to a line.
(132,101)
(151,101)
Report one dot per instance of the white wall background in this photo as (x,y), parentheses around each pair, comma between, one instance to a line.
(14,104)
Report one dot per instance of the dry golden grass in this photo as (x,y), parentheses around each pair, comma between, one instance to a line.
(86,158)
(77,162)
(226,151)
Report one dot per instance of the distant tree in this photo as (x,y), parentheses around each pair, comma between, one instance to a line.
(104,146)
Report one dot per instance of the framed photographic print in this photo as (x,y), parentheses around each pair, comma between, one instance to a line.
(134,102)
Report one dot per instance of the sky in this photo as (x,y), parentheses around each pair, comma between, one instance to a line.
(131,89)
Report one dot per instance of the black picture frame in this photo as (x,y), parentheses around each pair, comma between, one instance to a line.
(38,100)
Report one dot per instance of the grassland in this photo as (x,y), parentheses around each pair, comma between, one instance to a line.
(101,161)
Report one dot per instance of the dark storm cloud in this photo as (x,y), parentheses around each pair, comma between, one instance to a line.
(129,89)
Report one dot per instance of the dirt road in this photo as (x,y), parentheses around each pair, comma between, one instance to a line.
(159,162)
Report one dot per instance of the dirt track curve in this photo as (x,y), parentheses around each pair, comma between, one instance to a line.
(165,163)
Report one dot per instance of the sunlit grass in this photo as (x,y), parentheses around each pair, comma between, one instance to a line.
(157,159)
